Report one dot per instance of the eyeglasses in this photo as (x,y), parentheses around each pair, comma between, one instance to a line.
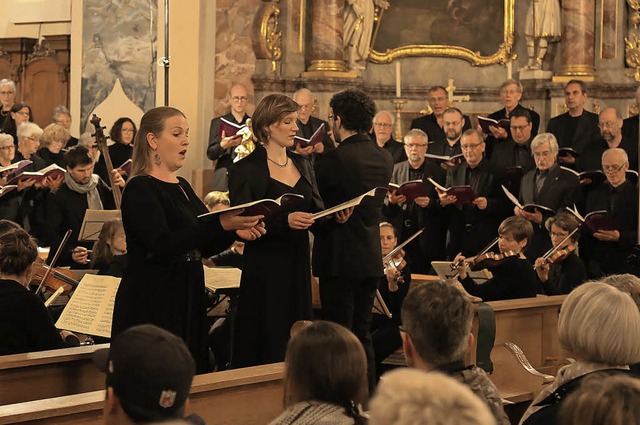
(544,154)
(305,107)
(8,148)
(511,92)
(608,124)
(239,98)
(33,139)
(24,114)
(6,93)
(613,168)
(469,147)
(558,235)
(58,141)
(415,145)
(437,99)
(382,124)
(518,127)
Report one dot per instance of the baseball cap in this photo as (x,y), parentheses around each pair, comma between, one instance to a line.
(150,370)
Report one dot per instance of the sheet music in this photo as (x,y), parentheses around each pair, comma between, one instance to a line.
(221,277)
(351,203)
(90,309)
(379,306)
(93,221)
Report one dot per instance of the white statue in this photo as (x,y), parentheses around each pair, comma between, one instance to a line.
(358,28)
(544,26)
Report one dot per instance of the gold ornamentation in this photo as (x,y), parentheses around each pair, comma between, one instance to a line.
(502,56)
(632,43)
(268,40)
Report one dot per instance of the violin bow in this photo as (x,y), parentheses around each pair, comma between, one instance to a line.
(454,266)
(54,260)
(553,250)
(402,245)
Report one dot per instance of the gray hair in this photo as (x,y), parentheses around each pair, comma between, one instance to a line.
(60,110)
(385,112)
(85,138)
(27,129)
(621,151)
(545,138)
(415,132)
(8,82)
(510,82)
(6,137)
(301,91)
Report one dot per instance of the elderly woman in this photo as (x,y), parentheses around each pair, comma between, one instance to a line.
(599,327)
(9,201)
(61,115)
(18,114)
(53,140)
(7,98)
(273,298)
(123,134)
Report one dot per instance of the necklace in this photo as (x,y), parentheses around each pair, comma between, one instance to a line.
(286,161)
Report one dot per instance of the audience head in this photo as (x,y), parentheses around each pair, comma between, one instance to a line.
(7,149)
(383,126)
(304,98)
(89,142)
(510,93)
(54,137)
(123,131)
(161,141)
(238,99)
(216,200)
(388,237)
(8,225)
(515,232)
(18,251)
(521,127)
(7,93)
(351,111)
(149,373)
(575,95)
(414,397)
(610,124)
(600,324)
(615,163)
(627,283)
(473,146)
(275,119)
(561,225)
(61,115)
(111,241)
(452,123)
(416,144)
(603,399)
(79,164)
(437,321)
(29,135)
(438,100)
(325,362)
(544,148)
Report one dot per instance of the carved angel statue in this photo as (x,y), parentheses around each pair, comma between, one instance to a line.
(543,26)
(358,28)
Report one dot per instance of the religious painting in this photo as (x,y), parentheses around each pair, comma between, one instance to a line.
(480,31)
(119,44)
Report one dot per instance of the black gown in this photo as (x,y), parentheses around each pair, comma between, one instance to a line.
(163,282)
(275,289)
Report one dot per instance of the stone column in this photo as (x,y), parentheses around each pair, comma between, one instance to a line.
(326,31)
(578,39)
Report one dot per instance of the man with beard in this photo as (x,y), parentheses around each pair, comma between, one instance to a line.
(433,124)
(453,122)
(610,123)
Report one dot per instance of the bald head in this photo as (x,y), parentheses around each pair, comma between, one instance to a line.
(610,123)
(238,98)
(615,163)
(304,98)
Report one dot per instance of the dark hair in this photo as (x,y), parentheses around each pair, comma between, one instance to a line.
(436,88)
(116,129)
(520,228)
(583,86)
(521,112)
(18,251)
(566,221)
(8,225)
(101,251)
(453,109)
(270,110)
(326,362)
(77,155)
(152,122)
(438,317)
(9,125)
(355,109)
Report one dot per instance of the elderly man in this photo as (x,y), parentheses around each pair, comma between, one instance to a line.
(610,123)
(473,226)
(577,127)
(510,95)
(221,146)
(409,216)
(383,123)
(548,185)
(433,124)
(308,124)
(605,251)
(7,98)
(437,321)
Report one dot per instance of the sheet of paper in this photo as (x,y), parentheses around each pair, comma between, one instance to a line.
(221,277)
(93,221)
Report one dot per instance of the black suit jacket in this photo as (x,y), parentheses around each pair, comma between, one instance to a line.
(630,127)
(429,124)
(315,124)
(586,130)
(504,156)
(351,249)
(502,114)
(214,151)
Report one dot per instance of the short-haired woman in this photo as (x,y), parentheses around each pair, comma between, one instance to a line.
(52,142)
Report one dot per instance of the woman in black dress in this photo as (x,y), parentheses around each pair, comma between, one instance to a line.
(163,282)
(275,289)
(52,142)
(123,133)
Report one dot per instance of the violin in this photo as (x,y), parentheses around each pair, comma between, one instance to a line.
(395,258)
(101,141)
(559,254)
(54,278)
(485,250)
(491,260)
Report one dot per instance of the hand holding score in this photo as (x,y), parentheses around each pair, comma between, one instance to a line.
(249,228)
(607,235)
(231,141)
(300,220)
(446,199)
(343,215)
(396,199)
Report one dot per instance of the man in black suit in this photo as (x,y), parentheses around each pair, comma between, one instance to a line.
(308,124)
(473,226)
(576,128)
(605,252)
(424,211)
(510,95)
(514,155)
(610,123)
(433,124)
(549,185)
(383,123)
(222,148)
(347,256)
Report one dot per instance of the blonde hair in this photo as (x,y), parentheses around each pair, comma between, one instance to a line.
(54,132)
(414,397)
(216,197)
(600,324)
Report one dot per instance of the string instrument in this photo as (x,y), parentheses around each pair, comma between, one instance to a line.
(558,253)
(101,141)
(56,277)
(491,260)
(395,258)
(485,250)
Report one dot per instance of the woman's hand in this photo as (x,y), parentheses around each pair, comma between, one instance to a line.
(252,234)
(542,269)
(462,268)
(300,220)
(232,220)
(80,255)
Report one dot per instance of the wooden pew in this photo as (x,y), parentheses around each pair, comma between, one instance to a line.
(245,396)
(46,374)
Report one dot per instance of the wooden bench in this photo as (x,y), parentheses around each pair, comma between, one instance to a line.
(245,396)
(46,374)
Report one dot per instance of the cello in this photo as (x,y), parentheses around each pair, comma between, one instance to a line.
(101,141)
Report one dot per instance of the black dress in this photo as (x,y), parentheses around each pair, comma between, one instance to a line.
(275,289)
(565,276)
(513,279)
(163,282)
